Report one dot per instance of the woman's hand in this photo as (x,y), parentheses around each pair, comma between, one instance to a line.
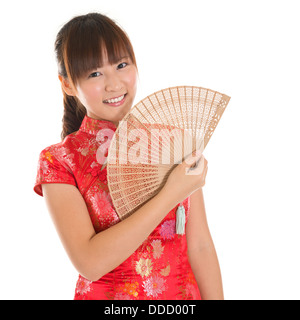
(187,177)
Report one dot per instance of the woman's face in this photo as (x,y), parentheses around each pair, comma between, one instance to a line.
(108,92)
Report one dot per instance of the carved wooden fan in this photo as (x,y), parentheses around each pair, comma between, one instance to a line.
(156,135)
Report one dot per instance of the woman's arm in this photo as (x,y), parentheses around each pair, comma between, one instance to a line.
(201,251)
(94,255)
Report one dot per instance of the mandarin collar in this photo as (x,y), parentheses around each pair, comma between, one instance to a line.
(92,126)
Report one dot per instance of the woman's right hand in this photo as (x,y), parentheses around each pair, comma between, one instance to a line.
(187,177)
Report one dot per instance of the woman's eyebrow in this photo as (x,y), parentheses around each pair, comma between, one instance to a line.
(123,57)
(115,62)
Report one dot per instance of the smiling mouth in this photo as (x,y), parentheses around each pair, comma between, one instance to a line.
(115,100)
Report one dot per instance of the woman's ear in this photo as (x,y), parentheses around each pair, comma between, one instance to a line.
(66,86)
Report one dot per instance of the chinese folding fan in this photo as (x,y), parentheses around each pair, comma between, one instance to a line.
(157,134)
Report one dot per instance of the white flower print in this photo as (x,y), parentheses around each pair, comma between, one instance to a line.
(44,166)
(83,286)
(154,286)
(157,248)
(102,203)
(63,155)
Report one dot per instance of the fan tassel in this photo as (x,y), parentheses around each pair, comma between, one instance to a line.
(180,219)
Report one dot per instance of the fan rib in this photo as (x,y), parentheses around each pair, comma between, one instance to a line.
(193,128)
(181,114)
(161,127)
(172,125)
(216,118)
(178,125)
(169,89)
(150,190)
(153,157)
(207,123)
(170,112)
(166,117)
(142,125)
(204,107)
(148,180)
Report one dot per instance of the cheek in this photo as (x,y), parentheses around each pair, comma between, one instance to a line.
(132,80)
(90,93)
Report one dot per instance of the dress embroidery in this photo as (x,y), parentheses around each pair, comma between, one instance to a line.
(159,268)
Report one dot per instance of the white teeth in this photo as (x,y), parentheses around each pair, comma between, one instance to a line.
(115,100)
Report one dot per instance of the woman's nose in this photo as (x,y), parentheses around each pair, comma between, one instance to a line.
(113,83)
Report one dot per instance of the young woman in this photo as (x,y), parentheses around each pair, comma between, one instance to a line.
(140,257)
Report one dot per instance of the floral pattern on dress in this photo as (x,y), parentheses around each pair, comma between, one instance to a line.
(128,291)
(168,229)
(83,286)
(43,166)
(95,170)
(144,267)
(101,208)
(102,202)
(157,248)
(122,296)
(154,286)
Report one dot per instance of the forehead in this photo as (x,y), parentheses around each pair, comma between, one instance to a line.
(113,51)
(107,59)
(113,57)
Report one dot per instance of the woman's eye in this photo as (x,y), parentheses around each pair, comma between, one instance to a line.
(122,65)
(94,74)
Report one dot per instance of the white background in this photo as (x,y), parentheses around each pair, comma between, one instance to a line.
(246,49)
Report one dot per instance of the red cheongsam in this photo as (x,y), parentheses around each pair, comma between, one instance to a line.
(159,268)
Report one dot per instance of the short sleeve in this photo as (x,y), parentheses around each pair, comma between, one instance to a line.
(50,170)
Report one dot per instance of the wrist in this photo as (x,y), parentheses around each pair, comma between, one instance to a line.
(170,196)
